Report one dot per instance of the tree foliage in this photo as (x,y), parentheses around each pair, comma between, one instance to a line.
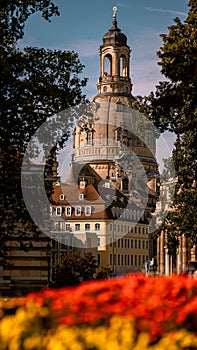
(74,268)
(173,107)
(35,84)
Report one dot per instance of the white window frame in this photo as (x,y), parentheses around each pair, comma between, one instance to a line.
(88,210)
(82,184)
(62,197)
(78,210)
(81,196)
(68,211)
(58,211)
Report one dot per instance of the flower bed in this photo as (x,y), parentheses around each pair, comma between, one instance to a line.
(134,312)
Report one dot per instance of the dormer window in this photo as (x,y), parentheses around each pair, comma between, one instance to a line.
(82,184)
(62,197)
(68,211)
(78,210)
(58,211)
(81,196)
(88,211)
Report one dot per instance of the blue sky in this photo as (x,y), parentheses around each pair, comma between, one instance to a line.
(82,24)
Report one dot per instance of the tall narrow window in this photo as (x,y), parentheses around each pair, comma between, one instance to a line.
(99,259)
(123,66)
(88,211)
(146,244)
(110,262)
(118,134)
(99,242)
(58,211)
(131,259)
(125,184)
(89,138)
(107,65)
(68,211)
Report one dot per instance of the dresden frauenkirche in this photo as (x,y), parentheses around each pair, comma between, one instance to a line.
(106,202)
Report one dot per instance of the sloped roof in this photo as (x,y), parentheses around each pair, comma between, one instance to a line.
(79,170)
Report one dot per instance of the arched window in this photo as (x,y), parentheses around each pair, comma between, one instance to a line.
(123,66)
(105,89)
(108,65)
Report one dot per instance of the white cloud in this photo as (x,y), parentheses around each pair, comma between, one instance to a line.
(123,5)
(145,71)
(178,13)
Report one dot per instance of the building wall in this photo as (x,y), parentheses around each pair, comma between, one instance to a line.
(29,265)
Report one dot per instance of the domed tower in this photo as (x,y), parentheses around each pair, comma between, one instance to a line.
(114,62)
(109,140)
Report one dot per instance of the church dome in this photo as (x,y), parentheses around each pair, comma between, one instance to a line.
(114,36)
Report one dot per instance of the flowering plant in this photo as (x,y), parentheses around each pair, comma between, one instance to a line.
(134,312)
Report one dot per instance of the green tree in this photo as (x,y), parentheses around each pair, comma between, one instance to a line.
(173,107)
(35,84)
(74,268)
